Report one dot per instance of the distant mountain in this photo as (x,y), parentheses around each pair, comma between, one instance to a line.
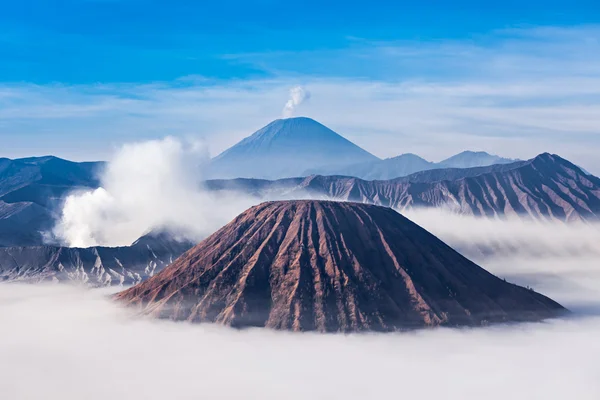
(471,159)
(23,223)
(407,164)
(15,174)
(452,174)
(95,266)
(31,192)
(46,172)
(287,148)
(546,187)
(331,267)
(389,168)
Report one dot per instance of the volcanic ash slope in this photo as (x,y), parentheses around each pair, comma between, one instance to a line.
(331,267)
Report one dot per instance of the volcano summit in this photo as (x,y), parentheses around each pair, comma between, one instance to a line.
(287,148)
(331,267)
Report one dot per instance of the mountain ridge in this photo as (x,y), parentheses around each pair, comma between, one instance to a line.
(94,266)
(545,187)
(34,188)
(408,164)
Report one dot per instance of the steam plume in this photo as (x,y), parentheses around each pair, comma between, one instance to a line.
(298,95)
(147,186)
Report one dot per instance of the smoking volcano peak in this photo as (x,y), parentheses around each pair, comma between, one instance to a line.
(331,267)
(286,148)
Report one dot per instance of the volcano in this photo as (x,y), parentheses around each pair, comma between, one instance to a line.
(331,267)
(286,148)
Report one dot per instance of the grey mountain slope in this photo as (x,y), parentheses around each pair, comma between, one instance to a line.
(287,148)
(14,175)
(23,224)
(50,171)
(95,266)
(471,159)
(546,187)
(407,164)
(389,168)
(452,174)
(56,171)
(33,189)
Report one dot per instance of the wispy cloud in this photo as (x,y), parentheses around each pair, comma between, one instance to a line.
(516,92)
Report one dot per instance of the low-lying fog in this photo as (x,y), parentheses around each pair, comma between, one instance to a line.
(61,342)
(559,260)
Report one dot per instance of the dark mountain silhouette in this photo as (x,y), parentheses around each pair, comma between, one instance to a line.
(56,171)
(287,148)
(31,191)
(46,171)
(329,267)
(94,266)
(546,187)
(23,223)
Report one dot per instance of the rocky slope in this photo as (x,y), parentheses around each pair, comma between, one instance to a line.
(95,266)
(331,267)
(546,187)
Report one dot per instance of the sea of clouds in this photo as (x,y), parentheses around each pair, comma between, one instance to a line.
(554,258)
(64,342)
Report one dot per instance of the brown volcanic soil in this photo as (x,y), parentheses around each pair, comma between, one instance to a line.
(330,266)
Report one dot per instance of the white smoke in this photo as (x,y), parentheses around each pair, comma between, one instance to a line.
(298,95)
(147,186)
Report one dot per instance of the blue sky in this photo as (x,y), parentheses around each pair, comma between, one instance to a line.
(78,78)
(87,41)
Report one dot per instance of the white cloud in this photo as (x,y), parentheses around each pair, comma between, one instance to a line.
(516,93)
(147,186)
(557,259)
(510,235)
